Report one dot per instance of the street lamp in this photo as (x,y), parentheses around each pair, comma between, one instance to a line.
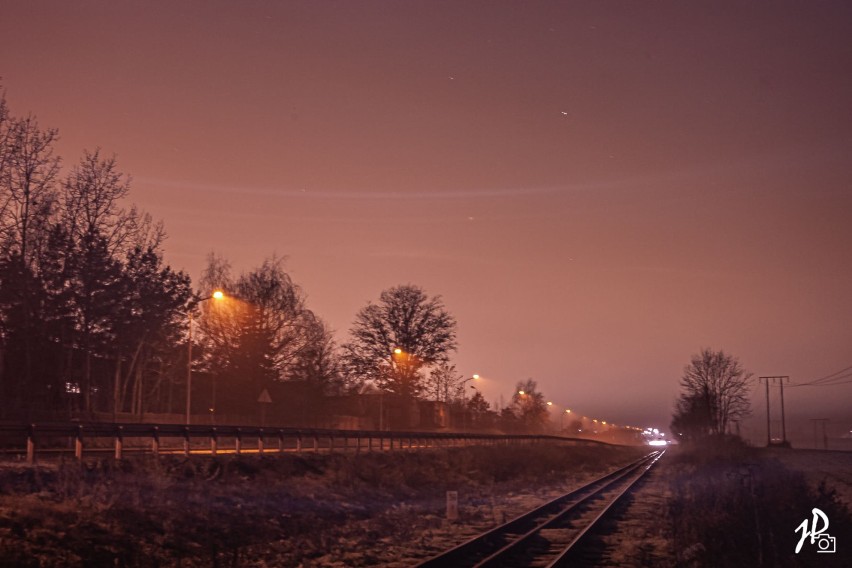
(217,295)
(561,418)
(464,406)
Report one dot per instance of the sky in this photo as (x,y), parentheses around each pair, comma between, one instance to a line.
(597,190)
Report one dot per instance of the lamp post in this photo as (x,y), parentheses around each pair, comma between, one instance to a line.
(402,368)
(561,419)
(217,295)
(473,377)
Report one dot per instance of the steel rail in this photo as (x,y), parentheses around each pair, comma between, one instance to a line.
(491,546)
(568,551)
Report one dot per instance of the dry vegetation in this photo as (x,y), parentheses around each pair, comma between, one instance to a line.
(732,505)
(310,510)
(724,505)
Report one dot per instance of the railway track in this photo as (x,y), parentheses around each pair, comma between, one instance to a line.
(552,534)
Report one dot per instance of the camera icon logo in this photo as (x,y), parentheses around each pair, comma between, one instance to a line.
(826,543)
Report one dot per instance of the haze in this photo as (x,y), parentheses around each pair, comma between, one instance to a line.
(597,190)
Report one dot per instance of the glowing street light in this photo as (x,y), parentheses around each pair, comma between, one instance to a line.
(562,418)
(473,377)
(217,295)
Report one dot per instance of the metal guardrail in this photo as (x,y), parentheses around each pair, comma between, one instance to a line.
(36,436)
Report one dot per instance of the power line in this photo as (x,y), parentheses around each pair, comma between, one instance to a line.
(828,380)
(828,384)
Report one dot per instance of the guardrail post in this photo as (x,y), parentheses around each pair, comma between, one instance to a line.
(390,439)
(31,444)
(280,442)
(316,443)
(214,442)
(369,442)
(260,441)
(155,441)
(358,443)
(118,442)
(238,442)
(186,448)
(78,444)
(299,443)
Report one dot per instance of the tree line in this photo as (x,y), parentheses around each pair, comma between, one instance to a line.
(92,320)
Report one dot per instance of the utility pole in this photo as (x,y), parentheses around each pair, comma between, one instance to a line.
(780,379)
(768,427)
(823,422)
(783,420)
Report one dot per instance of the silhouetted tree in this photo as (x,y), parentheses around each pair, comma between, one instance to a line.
(392,341)
(692,417)
(480,411)
(95,280)
(715,392)
(574,427)
(262,332)
(444,383)
(74,287)
(149,326)
(529,406)
(92,203)
(28,170)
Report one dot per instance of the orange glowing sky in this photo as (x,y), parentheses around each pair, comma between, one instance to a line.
(596,189)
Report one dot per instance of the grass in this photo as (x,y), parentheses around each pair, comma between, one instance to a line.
(308,510)
(733,506)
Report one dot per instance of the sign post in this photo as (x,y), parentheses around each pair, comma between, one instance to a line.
(264,400)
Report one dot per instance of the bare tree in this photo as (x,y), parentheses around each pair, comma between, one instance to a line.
(93,195)
(715,392)
(444,383)
(392,341)
(28,172)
